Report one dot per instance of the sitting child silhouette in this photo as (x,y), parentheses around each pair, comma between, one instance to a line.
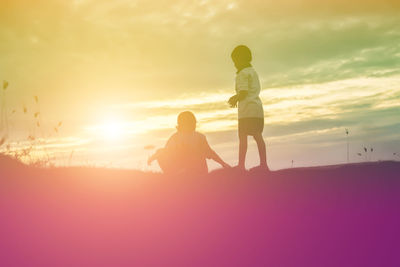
(186,150)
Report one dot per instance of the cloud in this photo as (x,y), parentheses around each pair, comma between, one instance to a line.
(187,49)
(289,110)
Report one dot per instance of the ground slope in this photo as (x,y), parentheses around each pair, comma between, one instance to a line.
(327,216)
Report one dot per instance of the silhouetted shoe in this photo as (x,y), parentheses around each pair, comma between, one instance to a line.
(260,169)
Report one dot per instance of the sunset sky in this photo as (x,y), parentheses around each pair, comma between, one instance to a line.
(117,73)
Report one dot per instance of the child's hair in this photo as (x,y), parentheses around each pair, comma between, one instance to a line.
(186,122)
(242,53)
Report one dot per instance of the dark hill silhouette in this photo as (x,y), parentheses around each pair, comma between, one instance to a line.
(326,216)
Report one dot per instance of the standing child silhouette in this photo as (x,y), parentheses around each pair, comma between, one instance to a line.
(250,107)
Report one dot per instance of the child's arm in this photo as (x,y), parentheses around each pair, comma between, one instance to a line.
(214,156)
(242,86)
(151,159)
(233,101)
(154,157)
(236,98)
(211,154)
(242,95)
(168,146)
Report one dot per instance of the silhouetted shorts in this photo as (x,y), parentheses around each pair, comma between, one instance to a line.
(251,126)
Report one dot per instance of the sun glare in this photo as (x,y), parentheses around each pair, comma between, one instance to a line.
(113,130)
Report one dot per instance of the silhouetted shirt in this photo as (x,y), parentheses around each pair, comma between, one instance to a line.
(251,106)
(189,151)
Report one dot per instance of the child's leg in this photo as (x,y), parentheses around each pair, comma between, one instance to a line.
(164,160)
(242,149)
(261,149)
(160,158)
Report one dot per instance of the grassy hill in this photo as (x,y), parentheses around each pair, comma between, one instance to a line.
(327,216)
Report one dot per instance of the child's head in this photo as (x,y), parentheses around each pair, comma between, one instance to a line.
(186,122)
(241,56)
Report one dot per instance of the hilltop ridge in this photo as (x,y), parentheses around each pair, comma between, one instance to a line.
(323,216)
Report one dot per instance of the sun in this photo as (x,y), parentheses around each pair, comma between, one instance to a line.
(110,127)
(113,130)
